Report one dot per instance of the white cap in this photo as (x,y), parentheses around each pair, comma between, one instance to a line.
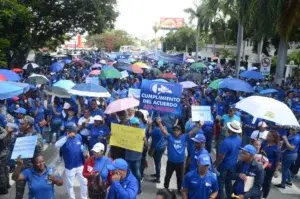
(102,61)
(262,124)
(67,105)
(98,147)
(97,117)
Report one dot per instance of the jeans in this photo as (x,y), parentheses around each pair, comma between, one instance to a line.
(245,139)
(208,137)
(296,166)
(287,161)
(225,179)
(54,128)
(157,156)
(134,166)
(269,173)
(143,161)
(178,168)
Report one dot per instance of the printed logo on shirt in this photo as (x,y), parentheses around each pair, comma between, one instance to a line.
(125,186)
(207,184)
(194,182)
(78,142)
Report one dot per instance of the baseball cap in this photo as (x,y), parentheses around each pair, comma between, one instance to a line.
(98,147)
(199,138)
(67,105)
(203,159)
(71,127)
(118,164)
(134,120)
(98,118)
(249,149)
(262,124)
(21,110)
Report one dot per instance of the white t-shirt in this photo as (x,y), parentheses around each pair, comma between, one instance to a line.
(80,122)
(259,135)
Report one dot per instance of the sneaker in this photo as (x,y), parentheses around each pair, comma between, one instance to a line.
(280,186)
(155,181)
(289,183)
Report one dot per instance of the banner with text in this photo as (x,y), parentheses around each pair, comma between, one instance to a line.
(127,137)
(201,113)
(24,147)
(161,96)
(175,59)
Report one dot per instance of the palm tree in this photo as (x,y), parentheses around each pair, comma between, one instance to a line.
(155,29)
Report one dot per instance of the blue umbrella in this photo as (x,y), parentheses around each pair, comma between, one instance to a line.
(10,75)
(57,66)
(236,84)
(25,86)
(268,91)
(65,84)
(251,74)
(89,90)
(9,90)
(160,63)
(67,61)
(160,80)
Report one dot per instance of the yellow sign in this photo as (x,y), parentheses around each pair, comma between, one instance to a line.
(127,137)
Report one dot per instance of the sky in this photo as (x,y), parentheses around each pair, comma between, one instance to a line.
(138,16)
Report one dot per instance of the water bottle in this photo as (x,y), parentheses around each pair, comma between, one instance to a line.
(51,171)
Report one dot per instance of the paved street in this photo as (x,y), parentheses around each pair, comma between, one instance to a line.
(149,189)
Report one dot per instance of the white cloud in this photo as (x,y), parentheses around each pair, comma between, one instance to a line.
(138,16)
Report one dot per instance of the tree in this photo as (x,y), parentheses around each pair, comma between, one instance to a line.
(51,20)
(110,40)
(155,28)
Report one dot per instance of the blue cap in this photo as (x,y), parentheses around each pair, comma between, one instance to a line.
(21,110)
(203,159)
(118,164)
(134,120)
(199,138)
(249,149)
(71,127)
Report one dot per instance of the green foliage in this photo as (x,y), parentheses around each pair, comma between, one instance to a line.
(35,24)
(294,56)
(227,53)
(110,40)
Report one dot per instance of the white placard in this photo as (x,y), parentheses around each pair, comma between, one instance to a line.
(201,113)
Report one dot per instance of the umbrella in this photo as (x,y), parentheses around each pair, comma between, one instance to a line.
(30,66)
(215,84)
(65,84)
(121,105)
(190,61)
(10,75)
(2,78)
(254,68)
(37,79)
(236,84)
(214,58)
(192,77)
(197,66)
(24,86)
(167,76)
(242,68)
(141,65)
(96,66)
(268,109)
(160,80)
(95,72)
(57,91)
(268,91)
(9,90)
(56,67)
(160,63)
(188,84)
(251,74)
(136,69)
(110,73)
(67,61)
(17,70)
(89,90)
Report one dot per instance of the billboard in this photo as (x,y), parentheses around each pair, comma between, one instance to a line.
(171,23)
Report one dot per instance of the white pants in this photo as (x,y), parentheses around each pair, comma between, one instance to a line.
(70,177)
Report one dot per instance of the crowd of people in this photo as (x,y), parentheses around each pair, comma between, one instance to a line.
(79,128)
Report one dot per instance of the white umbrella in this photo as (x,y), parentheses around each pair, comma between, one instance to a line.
(268,109)
(30,65)
(37,79)
(242,68)
(190,61)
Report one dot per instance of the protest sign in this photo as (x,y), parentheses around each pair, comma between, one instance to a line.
(201,112)
(24,147)
(134,92)
(127,137)
(265,66)
(93,80)
(160,96)
(124,74)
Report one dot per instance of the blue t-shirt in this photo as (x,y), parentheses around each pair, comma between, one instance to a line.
(200,187)
(98,111)
(101,165)
(293,140)
(40,114)
(176,148)
(272,152)
(159,142)
(239,185)
(230,149)
(96,132)
(38,185)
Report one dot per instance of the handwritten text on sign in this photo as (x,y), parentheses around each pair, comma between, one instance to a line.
(127,137)
(24,147)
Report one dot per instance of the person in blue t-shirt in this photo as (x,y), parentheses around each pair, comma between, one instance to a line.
(95,110)
(71,149)
(99,132)
(289,156)
(176,152)
(200,182)
(227,157)
(39,179)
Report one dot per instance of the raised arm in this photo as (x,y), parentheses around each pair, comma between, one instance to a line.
(162,128)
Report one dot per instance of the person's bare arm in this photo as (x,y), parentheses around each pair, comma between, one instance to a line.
(162,128)
(184,193)
(219,159)
(288,145)
(17,175)
(194,130)
(213,195)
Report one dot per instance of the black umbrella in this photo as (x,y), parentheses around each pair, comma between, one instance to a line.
(192,77)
